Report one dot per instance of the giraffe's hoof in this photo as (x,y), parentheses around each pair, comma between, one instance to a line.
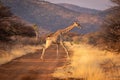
(41,58)
(68,58)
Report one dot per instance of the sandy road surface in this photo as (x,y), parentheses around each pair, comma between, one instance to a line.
(30,67)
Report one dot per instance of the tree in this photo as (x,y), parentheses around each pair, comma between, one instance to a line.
(36,29)
(111,27)
(4,11)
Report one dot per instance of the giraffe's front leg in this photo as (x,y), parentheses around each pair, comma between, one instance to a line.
(65,49)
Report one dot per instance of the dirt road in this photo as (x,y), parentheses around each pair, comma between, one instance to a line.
(30,67)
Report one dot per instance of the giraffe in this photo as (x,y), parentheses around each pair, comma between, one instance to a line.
(56,38)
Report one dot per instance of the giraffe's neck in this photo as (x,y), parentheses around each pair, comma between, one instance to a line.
(69,28)
(62,31)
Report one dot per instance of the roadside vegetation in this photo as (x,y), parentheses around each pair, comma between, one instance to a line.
(95,56)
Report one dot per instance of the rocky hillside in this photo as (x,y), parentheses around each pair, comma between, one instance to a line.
(52,16)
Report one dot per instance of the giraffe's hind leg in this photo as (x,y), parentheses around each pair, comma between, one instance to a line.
(57,49)
(43,52)
(48,43)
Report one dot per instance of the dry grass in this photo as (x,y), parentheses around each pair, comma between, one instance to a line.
(90,63)
(18,47)
(17,51)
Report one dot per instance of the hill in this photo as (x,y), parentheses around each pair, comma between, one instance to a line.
(80,9)
(52,16)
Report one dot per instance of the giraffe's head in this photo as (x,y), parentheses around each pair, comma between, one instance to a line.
(77,25)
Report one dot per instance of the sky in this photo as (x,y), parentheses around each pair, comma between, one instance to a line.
(94,4)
